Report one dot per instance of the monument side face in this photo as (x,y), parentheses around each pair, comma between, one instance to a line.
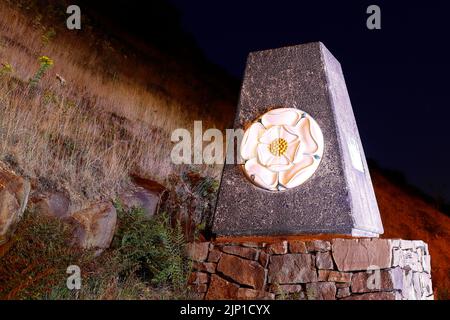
(334,200)
(365,210)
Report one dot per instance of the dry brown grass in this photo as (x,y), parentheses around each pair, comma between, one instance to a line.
(113,117)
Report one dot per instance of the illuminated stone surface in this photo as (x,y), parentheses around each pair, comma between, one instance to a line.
(338,197)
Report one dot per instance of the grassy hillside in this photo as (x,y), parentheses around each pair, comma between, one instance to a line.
(112,116)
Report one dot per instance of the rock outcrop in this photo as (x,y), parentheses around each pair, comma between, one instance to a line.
(14,193)
(54,204)
(95,226)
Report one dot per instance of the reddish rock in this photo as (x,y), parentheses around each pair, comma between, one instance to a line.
(198,278)
(263,259)
(373,296)
(336,276)
(204,266)
(324,261)
(297,247)
(323,275)
(251,294)
(318,246)
(14,193)
(197,251)
(141,198)
(221,289)
(95,226)
(343,293)
(292,268)
(243,271)
(214,255)
(377,280)
(198,288)
(253,244)
(278,248)
(244,252)
(321,291)
(361,254)
(52,204)
(285,288)
(341,285)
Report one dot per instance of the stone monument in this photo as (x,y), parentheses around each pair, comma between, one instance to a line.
(303,168)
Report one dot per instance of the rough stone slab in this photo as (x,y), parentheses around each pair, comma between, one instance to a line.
(263,259)
(318,246)
(324,261)
(377,280)
(285,288)
(251,294)
(221,289)
(14,194)
(361,254)
(197,251)
(341,277)
(426,264)
(296,246)
(198,288)
(198,278)
(339,197)
(247,253)
(343,292)
(278,248)
(425,285)
(95,225)
(292,268)
(407,245)
(214,255)
(374,296)
(243,271)
(204,266)
(323,275)
(321,291)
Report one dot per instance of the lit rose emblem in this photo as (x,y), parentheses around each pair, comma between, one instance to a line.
(282,149)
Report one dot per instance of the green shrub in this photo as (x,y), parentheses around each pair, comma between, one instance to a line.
(37,258)
(152,249)
(192,198)
(145,261)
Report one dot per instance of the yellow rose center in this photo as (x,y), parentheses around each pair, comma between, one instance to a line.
(278,147)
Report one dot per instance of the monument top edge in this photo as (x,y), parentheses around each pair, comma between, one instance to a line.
(319,44)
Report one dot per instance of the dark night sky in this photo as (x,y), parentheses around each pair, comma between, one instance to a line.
(397,77)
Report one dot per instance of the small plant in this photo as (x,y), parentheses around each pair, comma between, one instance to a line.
(192,196)
(38,256)
(151,249)
(5,69)
(48,36)
(46,63)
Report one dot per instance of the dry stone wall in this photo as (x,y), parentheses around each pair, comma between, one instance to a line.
(343,269)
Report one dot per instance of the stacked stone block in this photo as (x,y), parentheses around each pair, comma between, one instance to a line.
(343,269)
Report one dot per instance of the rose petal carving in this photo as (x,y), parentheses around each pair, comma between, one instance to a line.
(283,150)
(250,140)
(281,116)
(261,175)
(303,130)
(298,174)
(278,164)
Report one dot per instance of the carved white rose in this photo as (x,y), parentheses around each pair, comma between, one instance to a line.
(282,149)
